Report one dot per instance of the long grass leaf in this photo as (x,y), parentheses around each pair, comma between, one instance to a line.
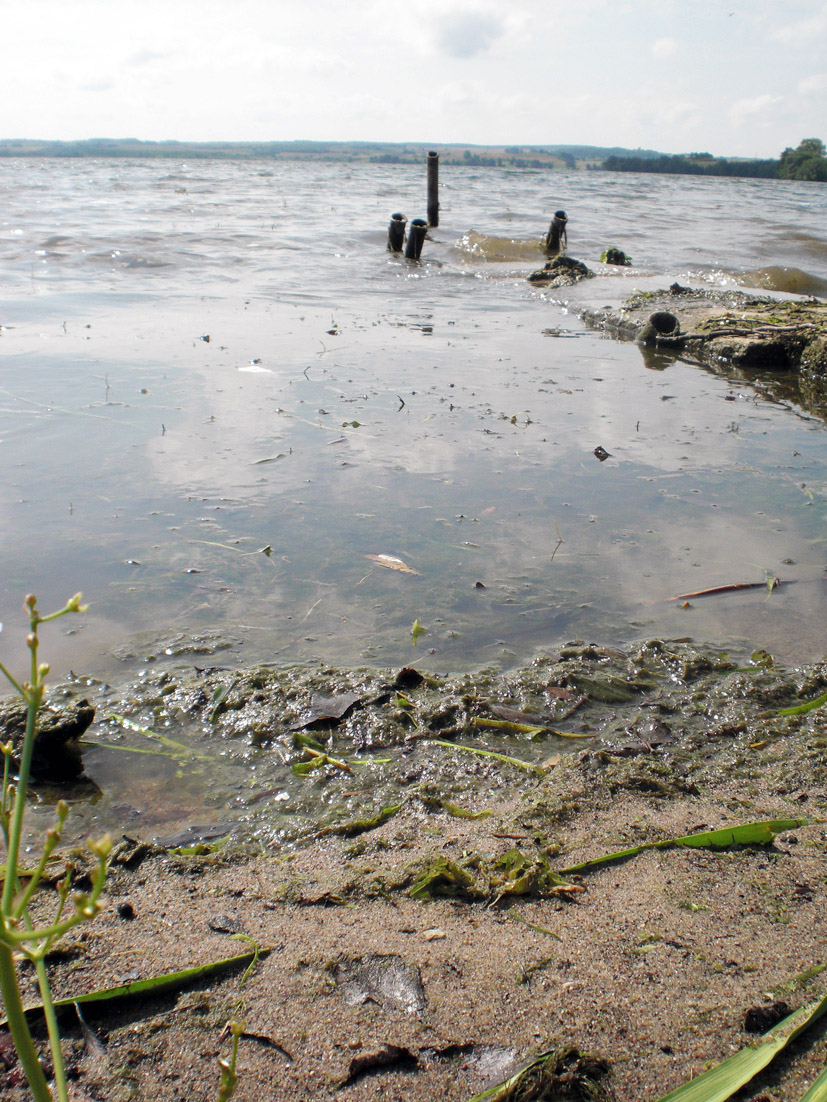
(180,747)
(169,981)
(508,725)
(722,1081)
(818,1090)
(490,754)
(744,834)
(129,749)
(802,709)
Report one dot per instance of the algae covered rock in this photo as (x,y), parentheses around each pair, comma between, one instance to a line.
(616,256)
(563,271)
(725,329)
(57,753)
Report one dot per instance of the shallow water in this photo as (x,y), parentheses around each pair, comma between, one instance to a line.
(349,403)
(218,500)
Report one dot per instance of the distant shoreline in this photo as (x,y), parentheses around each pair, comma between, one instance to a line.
(803,163)
(511,156)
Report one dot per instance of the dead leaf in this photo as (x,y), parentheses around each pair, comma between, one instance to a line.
(516,715)
(327,710)
(391,562)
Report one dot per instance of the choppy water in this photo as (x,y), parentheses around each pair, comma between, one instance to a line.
(349,403)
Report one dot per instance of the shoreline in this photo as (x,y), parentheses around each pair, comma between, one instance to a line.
(422,948)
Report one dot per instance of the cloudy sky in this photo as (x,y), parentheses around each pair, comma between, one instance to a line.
(738,77)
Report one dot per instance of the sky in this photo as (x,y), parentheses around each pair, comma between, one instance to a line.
(730,77)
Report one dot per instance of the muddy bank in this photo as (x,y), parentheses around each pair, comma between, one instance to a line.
(426,938)
(729,329)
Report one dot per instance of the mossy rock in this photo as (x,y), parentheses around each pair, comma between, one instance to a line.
(562,271)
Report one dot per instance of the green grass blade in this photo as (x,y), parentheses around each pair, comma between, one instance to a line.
(818,1090)
(502,1091)
(802,709)
(169,981)
(744,834)
(351,827)
(490,754)
(799,981)
(531,925)
(509,725)
(178,747)
(722,1081)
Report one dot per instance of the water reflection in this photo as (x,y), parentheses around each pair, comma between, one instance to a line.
(347,403)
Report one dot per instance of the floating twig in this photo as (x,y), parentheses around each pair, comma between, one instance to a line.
(714,591)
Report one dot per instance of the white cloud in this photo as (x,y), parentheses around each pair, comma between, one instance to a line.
(813,86)
(96,86)
(467,34)
(746,108)
(804,31)
(146,57)
(664,47)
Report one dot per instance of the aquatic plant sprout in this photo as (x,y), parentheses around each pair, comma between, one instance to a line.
(19,933)
(21,936)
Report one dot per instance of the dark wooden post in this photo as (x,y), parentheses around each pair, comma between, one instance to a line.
(396,233)
(556,231)
(433,188)
(416,235)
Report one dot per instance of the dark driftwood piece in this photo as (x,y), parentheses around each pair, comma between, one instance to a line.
(57,753)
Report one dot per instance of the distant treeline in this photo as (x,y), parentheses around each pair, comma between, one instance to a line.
(807,162)
(691,164)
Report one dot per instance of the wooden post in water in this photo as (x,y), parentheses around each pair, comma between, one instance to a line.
(556,238)
(416,236)
(396,233)
(433,188)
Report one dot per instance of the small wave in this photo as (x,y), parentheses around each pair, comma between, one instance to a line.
(485,249)
(145,262)
(790,280)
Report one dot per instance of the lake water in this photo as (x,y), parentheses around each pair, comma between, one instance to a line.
(220,395)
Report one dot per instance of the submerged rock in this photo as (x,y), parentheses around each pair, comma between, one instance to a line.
(57,753)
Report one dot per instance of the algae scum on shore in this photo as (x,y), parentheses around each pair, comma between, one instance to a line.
(451,879)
